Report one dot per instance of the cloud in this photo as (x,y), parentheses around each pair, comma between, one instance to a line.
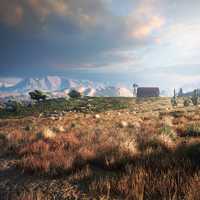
(145,19)
(143,30)
(177,44)
(131,35)
(11,13)
(83,13)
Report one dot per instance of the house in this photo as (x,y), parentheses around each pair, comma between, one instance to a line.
(143,92)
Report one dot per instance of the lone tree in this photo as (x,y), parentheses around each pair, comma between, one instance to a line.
(74,94)
(38,95)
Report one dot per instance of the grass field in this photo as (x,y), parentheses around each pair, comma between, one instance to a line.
(84,105)
(101,148)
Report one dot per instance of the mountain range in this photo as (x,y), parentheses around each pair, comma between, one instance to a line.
(62,85)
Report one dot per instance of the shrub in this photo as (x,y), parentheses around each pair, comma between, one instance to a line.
(193,130)
(186,102)
(74,94)
(3,141)
(38,95)
(13,106)
(30,127)
(167,130)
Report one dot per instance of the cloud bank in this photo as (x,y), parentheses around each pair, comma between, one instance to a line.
(133,36)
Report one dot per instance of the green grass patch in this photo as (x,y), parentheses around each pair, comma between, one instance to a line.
(85,105)
(167,130)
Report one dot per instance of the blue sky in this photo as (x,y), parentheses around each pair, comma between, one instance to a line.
(151,42)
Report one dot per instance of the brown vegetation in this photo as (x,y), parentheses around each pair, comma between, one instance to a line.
(154,155)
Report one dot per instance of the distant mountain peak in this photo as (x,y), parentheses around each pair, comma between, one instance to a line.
(62,84)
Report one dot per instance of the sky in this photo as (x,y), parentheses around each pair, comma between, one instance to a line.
(150,42)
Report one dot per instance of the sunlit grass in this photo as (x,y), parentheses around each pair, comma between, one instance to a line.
(121,154)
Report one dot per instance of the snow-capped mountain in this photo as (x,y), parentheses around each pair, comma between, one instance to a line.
(112,91)
(63,85)
(49,83)
(9,82)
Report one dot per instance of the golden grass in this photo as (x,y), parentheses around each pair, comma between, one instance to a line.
(100,158)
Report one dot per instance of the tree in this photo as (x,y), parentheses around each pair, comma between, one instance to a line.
(37,95)
(13,106)
(74,94)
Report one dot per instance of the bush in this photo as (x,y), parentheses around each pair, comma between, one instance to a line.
(38,95)
(193,130)
(74,94)
(186,102)
(13,106)
(168,131)
(2,136)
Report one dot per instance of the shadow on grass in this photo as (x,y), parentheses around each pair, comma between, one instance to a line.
(162,173)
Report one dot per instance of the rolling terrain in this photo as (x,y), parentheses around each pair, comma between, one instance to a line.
(101,148)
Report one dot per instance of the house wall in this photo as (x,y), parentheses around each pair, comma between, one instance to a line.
(148,92)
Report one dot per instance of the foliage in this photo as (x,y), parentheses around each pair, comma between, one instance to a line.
(177,113)
(84,105)
(186,102)
(193,130)
(37,95)
(95,158)
(2,136)
(13,106)
(168,131)
(74,94)
(106,169)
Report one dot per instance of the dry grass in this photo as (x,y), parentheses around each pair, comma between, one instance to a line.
(100,158)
